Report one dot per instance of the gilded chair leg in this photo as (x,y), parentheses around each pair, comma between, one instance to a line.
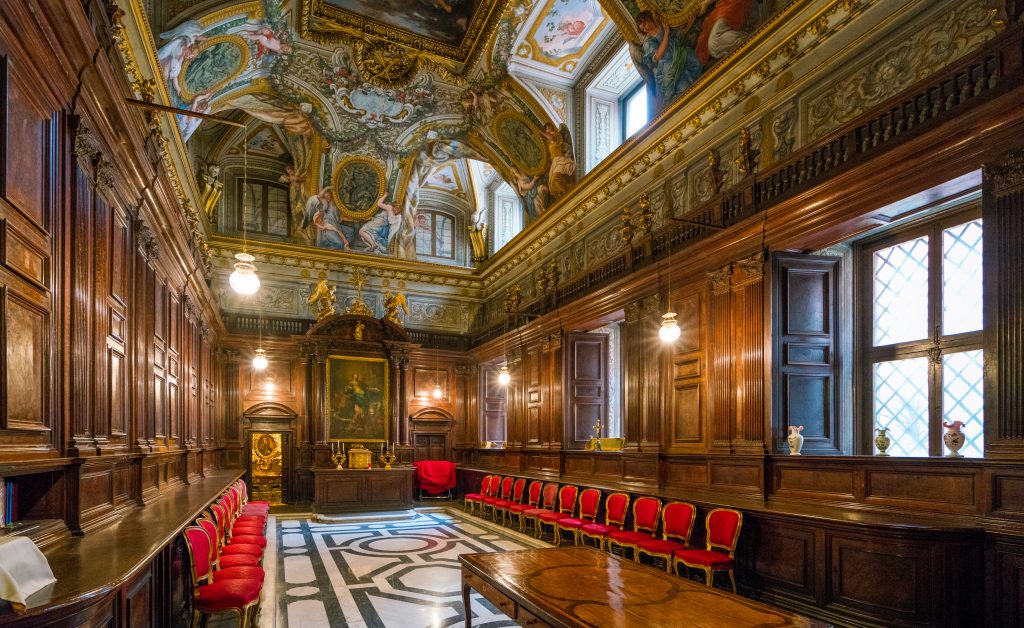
(708,577)
(732,580)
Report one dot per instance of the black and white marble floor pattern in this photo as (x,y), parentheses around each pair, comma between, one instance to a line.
(390,574)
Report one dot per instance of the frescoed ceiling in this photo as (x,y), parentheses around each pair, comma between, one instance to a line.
(558,37)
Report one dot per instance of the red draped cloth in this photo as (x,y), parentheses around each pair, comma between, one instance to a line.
(435,476)
(732,12)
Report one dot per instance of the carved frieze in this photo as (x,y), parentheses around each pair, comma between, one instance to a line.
(1008,174)
(720,279)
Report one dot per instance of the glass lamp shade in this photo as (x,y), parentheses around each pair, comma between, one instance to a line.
(438,393)
(259,361)
(669,331)
(503,376)
(244,279)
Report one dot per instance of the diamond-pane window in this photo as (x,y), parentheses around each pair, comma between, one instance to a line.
(962,398)
(923,338)
(961,271)
(901,404)
(901,292)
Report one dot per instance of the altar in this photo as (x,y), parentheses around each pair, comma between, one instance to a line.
(358,490)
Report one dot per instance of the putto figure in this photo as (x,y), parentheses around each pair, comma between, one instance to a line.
(323,298)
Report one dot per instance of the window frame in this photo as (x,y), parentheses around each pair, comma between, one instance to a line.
(264,210)
(434,213)
(933,347)
(624,111)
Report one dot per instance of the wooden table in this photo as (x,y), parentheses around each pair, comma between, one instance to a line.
(581,586)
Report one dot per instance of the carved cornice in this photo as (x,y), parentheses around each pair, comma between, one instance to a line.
(749,269)
(632,311)
(1008,175)
(720,280)
(652,304)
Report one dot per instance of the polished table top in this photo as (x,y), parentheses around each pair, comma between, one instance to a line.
(581,586)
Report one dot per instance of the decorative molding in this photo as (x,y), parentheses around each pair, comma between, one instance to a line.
(721,280)
(747,156)
(626,227)
(749,269)
(632,311)
(652,304)
(1007,175)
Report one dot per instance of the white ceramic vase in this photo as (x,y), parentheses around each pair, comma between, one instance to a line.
(795,439)
(953,438)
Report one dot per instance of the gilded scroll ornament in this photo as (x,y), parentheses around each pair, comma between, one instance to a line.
(211,190)
(626,228)
(746,159)
(393,302)
(513,298)
(715,175)
(646,217)
(323,298)
(478,241)
(386,65)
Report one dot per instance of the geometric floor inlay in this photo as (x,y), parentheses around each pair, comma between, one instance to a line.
(400,574)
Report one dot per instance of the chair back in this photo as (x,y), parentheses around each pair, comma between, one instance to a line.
(645,514)
(220,518)
(533,495)
(549,495)
(723,529)
(211,531)
(485,484)
(506,487)
(198,544)
(590,501)
(517,490)
(615,508)
(567,499)
(492,490)
(677,521)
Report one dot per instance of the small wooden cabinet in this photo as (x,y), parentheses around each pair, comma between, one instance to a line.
(355,490)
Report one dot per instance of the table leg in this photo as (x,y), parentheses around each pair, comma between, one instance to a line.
(465,605)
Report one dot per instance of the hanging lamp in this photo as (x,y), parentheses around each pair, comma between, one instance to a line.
(244,279)
(438,393)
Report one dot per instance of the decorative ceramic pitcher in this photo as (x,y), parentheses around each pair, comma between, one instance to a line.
(882,441)
(954,438)
(795,439)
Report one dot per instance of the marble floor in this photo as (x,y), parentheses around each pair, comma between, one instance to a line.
(397,573)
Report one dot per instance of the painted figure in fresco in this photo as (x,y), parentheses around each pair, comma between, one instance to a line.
(380,231)
(562,172)
(666,63)
(322,214)
(266,41)
(533,191)
(724,28)
(480,102)
(180,46)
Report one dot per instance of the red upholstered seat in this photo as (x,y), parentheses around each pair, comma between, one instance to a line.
(709,558)
(723,531)
(548,498)
(250,572)
(521,507)
(249,539)
(615,508)
(493,494)
(232,549)
(590,501)
(238,560)
(551,517)
(645,523)
(519,510)
(470,500)
(566,508)
(504,505)
(226,595)
(677,523)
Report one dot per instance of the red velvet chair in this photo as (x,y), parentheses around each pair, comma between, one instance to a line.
(204,562)
(616,506)
(532,499)
(502,505)
(566,508)
(248,507)
(470,500)
(723,531)
(676,525)
(235,532)
(503,494)
(590,501)
(233,547)
(221,560)
(547,502)
(239,596)
(645,524)
(492,495)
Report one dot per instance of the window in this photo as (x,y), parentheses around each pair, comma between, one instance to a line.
(635,112)
(435,234)
(923,335)
(508,216)
(266,208)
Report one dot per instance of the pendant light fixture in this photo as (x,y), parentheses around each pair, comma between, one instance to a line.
(244,279)
(259,360)
(504,377)
(669,331)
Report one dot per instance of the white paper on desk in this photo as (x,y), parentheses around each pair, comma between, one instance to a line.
(23,570)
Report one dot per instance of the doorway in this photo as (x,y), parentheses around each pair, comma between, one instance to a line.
(266,464)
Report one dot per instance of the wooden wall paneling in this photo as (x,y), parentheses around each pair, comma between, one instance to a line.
(466,408)
(749,354)
(586,398)
(534,355)
(633,357)
(174,357)
(1004,582)
(552,429)
(81,235)
(654,374)
(721,400)
(159,364)
(686,406)
(805,337)
(1003,230)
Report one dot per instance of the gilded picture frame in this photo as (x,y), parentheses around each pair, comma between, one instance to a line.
(521,141)
(188,93)
(345,173)
(358,397)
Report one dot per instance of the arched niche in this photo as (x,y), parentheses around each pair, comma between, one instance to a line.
(431,434)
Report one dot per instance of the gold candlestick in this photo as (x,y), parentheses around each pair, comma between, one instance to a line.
(387,458)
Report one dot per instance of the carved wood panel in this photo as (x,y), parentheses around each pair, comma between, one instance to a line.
(686,430)
(586,387)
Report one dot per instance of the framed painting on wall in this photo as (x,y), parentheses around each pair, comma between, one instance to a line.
(357,399)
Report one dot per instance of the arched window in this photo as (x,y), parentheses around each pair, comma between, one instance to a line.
(266,207)
(508,216)
(435,234)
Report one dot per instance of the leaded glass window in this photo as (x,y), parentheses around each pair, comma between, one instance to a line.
(923,334)
(265,207)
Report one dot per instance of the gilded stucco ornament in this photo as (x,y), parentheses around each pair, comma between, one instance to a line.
(747,155)
(385,64)
(323,297)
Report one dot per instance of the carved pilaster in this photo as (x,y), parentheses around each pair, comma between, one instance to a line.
(748,353)
(720,392)
(1003,225)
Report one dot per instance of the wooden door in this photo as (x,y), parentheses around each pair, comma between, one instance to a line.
(586,388)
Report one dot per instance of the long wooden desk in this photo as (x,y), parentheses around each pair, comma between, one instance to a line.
(581,586)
